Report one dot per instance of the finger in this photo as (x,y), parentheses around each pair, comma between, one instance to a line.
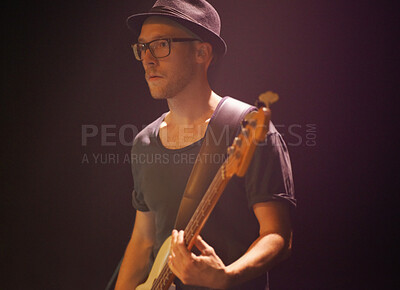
(171,264)
(203,247)
(181,248)
(174,236)
(181,237)
(172,255)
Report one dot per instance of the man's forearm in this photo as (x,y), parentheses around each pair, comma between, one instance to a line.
(262,255)
(134,267)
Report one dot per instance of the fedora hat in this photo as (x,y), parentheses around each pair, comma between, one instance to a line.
(197,15)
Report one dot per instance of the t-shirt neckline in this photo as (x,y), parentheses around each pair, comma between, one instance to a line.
(197,143)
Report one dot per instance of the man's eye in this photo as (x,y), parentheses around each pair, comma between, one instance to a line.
(161,44)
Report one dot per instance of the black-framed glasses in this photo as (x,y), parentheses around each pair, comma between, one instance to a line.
(159,48)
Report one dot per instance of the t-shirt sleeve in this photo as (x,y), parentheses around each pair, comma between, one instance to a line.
(138,201)
(269,176)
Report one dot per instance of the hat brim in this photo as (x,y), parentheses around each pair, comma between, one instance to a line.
(135,23)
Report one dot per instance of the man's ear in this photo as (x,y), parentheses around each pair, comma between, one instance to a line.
(204,52)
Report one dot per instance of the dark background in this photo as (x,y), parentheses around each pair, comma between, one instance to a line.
(66,64)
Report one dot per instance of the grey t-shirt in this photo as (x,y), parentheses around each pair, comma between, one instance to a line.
(160,176)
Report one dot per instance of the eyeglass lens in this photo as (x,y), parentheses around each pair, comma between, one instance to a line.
(158,48)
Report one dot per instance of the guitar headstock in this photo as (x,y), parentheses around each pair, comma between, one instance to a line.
(268,98)
(254,129)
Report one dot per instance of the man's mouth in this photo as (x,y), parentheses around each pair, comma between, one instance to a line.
(153,77)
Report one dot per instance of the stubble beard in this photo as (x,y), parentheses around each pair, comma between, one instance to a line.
(172,83)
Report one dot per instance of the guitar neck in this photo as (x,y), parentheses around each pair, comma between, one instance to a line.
(206,206)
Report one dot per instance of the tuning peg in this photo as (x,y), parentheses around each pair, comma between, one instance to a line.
(245,132)
(237,141)
(230,150)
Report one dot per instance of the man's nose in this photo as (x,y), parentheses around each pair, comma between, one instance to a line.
(148,57)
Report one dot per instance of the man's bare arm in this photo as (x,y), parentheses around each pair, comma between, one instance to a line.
(272,246)
(135,265)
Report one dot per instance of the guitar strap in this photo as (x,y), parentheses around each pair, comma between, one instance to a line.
(221,130)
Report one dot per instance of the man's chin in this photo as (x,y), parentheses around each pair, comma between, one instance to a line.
(158,95)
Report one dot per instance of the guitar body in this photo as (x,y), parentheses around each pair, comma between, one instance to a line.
(160,261)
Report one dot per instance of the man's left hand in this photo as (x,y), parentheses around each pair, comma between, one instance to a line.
(207,269)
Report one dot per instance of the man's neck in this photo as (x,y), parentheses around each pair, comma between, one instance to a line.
(193,106)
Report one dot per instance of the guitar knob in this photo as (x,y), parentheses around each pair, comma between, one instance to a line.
(230,150)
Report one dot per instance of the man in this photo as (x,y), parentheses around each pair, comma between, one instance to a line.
(249,231)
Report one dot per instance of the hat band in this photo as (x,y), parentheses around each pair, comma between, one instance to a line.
(171,11)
